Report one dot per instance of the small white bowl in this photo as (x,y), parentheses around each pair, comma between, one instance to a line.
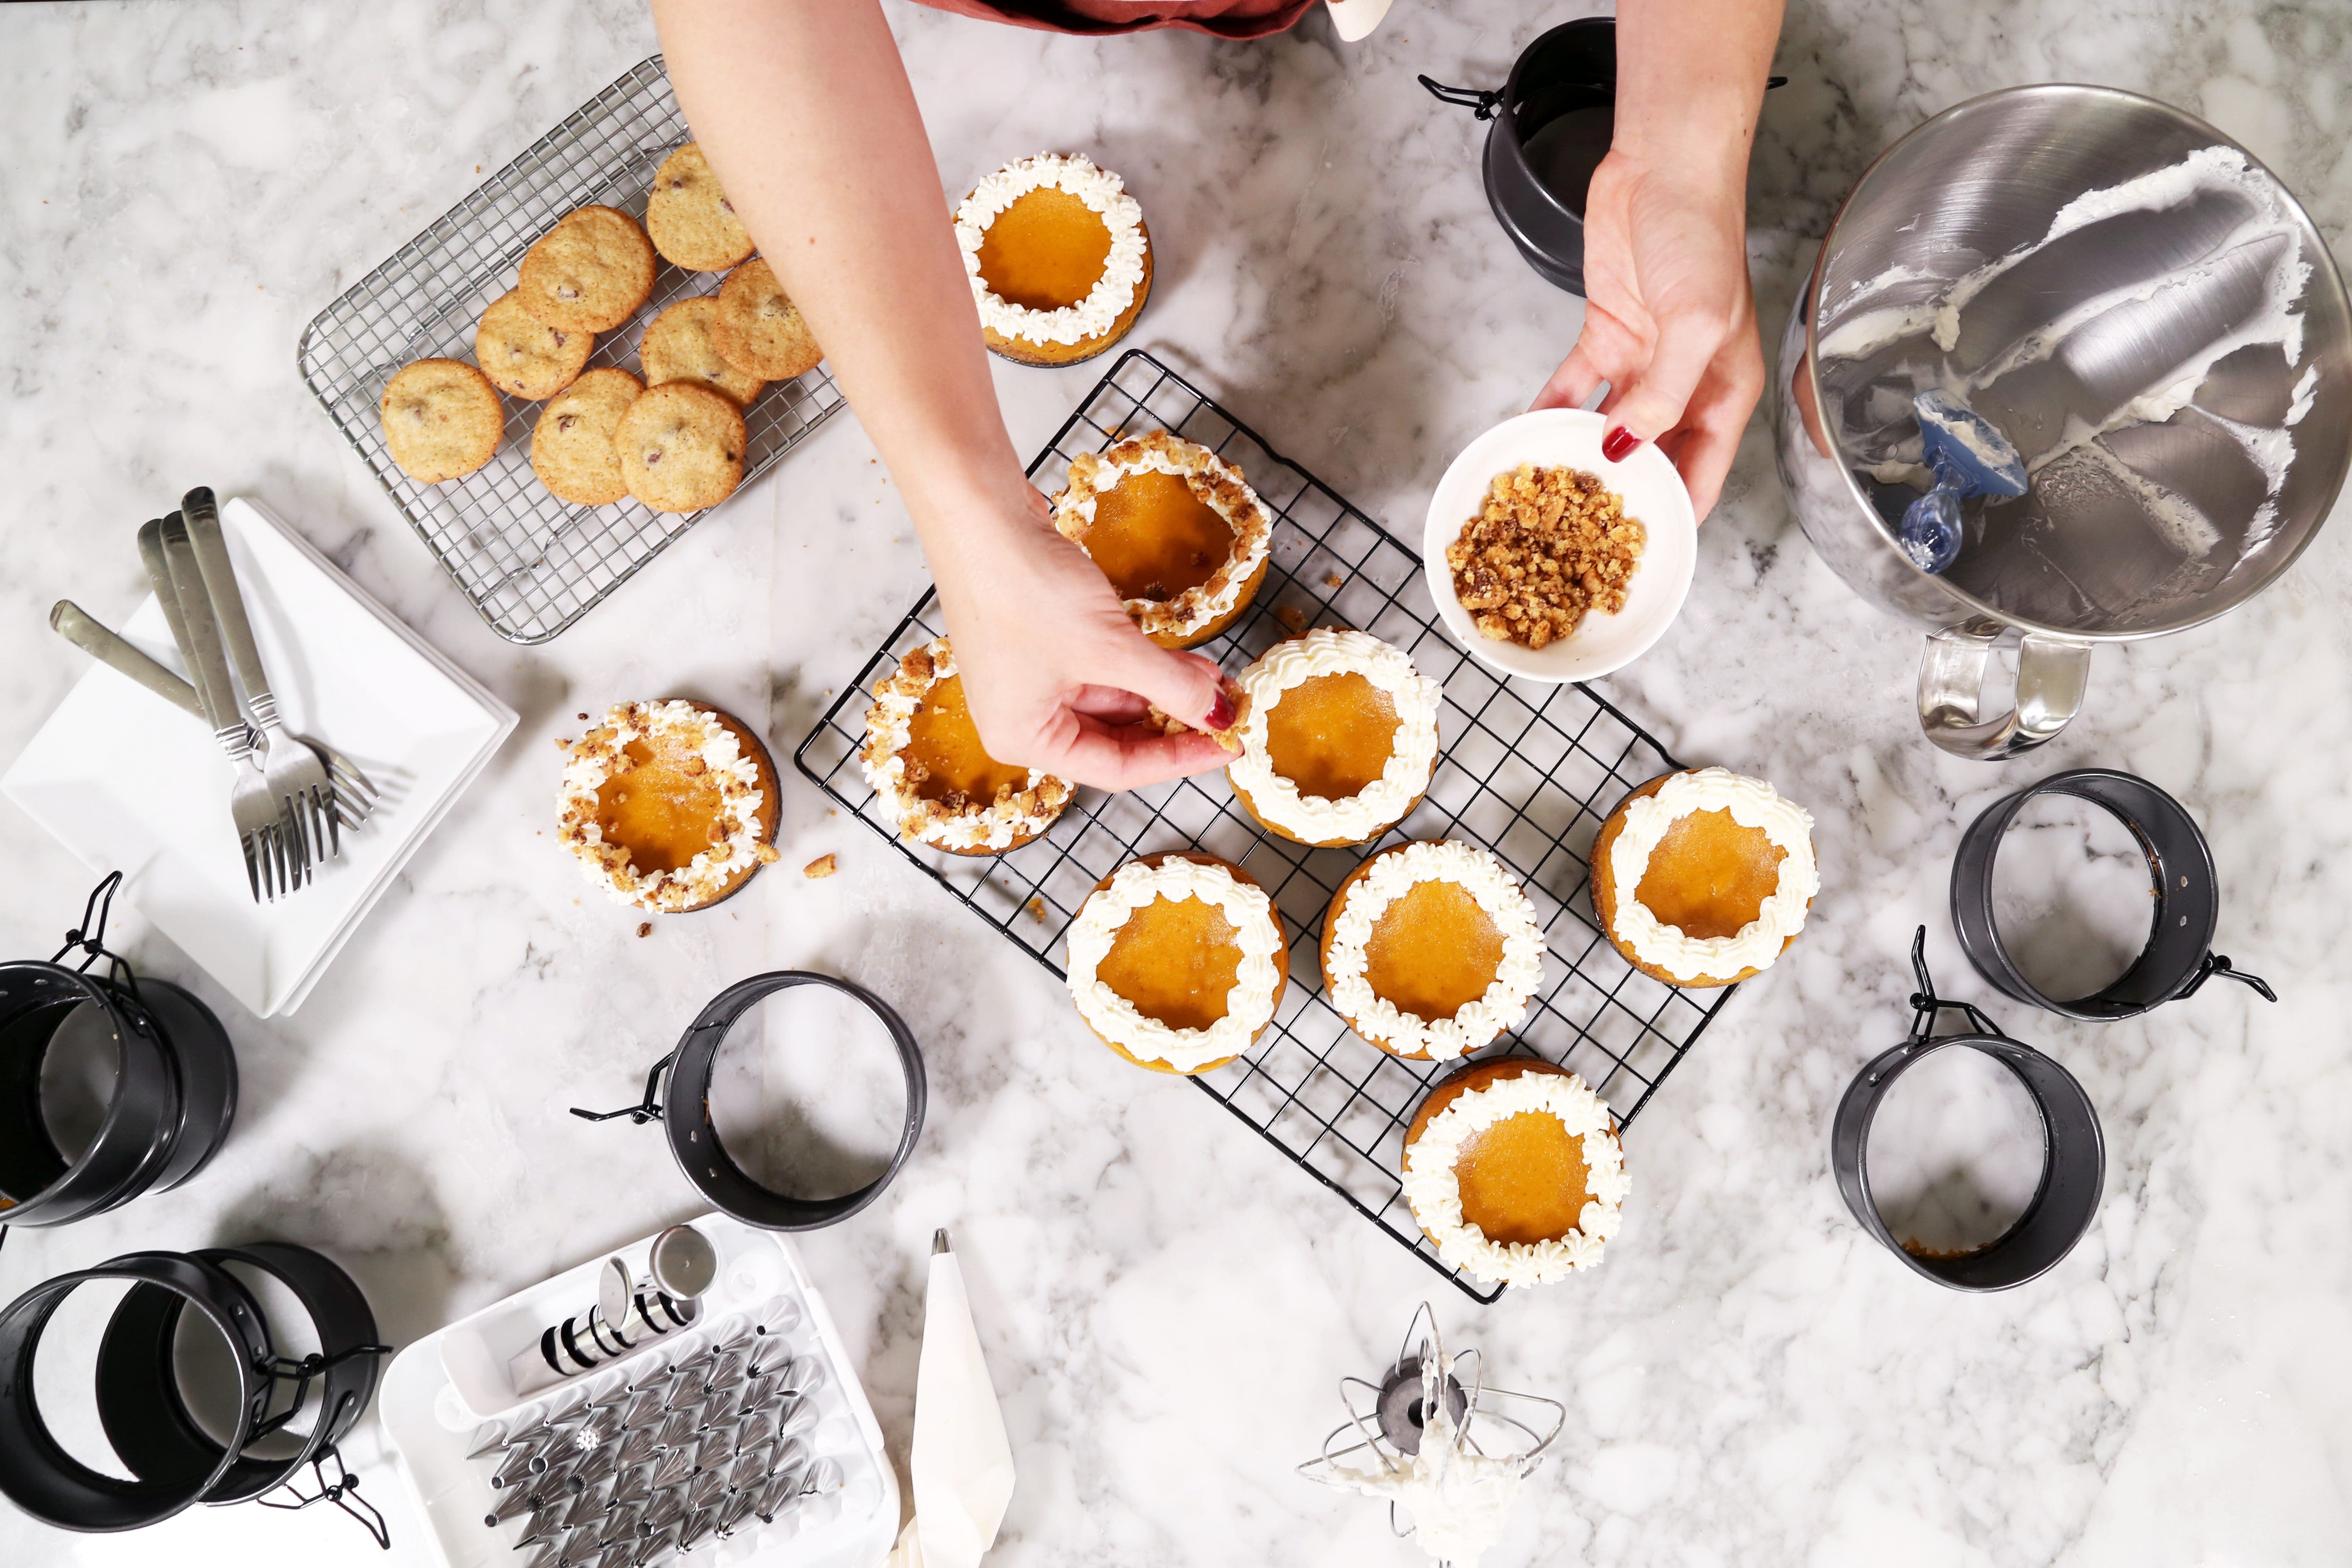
(1652,492)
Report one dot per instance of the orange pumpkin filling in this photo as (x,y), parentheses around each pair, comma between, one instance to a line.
(1045,252)
(1332,735)
(1710,875)
(1432,951)
(1523,1179)
(942,740)
(664,810)
(1154,538)
(1175,960)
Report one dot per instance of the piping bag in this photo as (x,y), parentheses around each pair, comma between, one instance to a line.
(1968,457)
(963,1460)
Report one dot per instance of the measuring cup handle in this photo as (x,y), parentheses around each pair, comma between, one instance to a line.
(2051,672)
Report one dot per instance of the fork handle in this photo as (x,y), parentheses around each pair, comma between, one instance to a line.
(206,662)
(158,577)
(68,620)
(202,517)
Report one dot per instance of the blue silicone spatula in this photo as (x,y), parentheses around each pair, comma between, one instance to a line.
(1968,457)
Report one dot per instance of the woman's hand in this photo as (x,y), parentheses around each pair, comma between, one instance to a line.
(1056,674)
(1670,318)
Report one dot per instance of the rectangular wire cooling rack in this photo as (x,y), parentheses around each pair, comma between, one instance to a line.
(1527,770)
(530,564)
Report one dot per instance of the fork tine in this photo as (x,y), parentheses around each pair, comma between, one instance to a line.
(299,847)
(252,866)
(350,808)
(323,808)
(324,844)
(348,773)
(298,828)
(284,859)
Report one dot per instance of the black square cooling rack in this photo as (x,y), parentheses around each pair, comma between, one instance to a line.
(1530,771)
(528,564)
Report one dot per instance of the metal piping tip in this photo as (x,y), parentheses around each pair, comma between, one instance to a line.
(939,1242)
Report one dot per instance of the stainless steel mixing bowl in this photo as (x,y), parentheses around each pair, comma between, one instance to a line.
(2084,558)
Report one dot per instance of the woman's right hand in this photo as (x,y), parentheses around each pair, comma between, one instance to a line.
(1057,675)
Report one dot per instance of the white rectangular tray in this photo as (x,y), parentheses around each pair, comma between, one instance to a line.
(127,782)
(439,1390)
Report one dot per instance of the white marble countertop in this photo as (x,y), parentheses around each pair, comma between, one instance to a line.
(1167,1304)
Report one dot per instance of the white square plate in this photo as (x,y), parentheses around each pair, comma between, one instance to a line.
(127,782)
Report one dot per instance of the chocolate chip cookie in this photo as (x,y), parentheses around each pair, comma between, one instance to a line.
(681,448)
(571,451)
(692,223)
(677,346)
(523,355)
(589,273)
(441,419)
(758,329)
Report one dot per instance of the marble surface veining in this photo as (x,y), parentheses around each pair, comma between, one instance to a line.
(1166,1303)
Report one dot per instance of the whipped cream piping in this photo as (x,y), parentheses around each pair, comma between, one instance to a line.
(1249,1005)
(1213,483)
(1106,194)
(599,756)
(1752,803)
(1475,1023)
(1435,1191)
(1013,816)
(1412,755)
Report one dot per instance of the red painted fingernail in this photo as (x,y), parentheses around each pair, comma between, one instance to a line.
(1221,713)
(1619,443)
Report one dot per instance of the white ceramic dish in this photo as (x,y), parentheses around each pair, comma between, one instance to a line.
(438,1390)
(127,781)
(1652,492)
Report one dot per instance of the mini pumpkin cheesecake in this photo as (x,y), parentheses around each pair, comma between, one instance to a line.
(1430,949)
(1339,737)
(1703,878)
(924,758)
(1514,1170)
(1181,536)
(1059,260)
(668,805)
(1178,962)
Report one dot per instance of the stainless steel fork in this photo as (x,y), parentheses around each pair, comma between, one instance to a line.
(355,794)
(296,774)
(274,863)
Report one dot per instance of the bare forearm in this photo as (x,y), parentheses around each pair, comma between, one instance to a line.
(805,113)
(1690,80)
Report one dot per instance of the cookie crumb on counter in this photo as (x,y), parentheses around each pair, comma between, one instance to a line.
(1036,907)
(584,718)
(823,866)
(1548,545)
(1291,616)
(1333,580)
(645,928)
(562,744)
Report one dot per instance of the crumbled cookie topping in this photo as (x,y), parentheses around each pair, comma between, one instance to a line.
(1228,737)
(1548,545)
